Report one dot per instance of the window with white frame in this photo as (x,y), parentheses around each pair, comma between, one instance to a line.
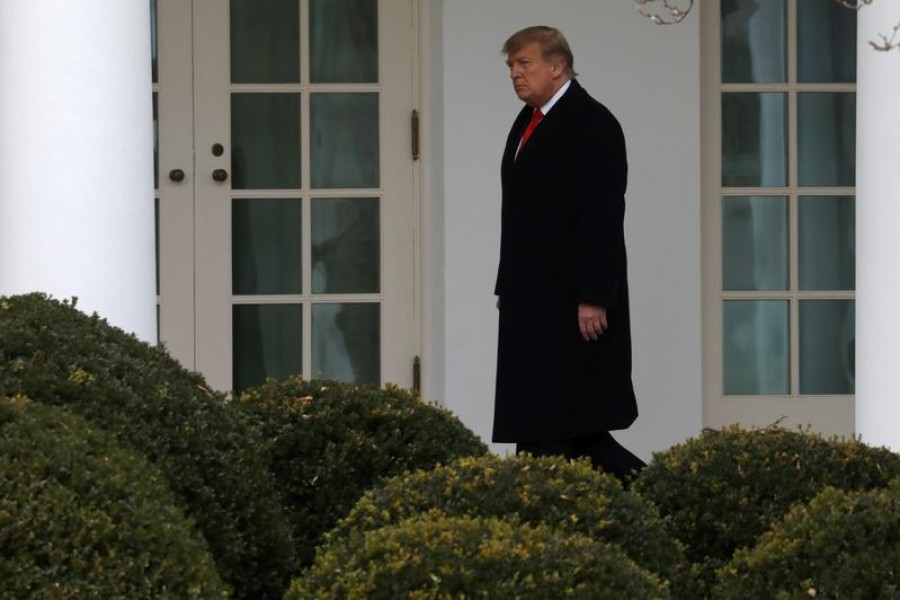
(779,211)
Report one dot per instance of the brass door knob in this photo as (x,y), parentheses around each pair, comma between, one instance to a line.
(176,175)
(220,175)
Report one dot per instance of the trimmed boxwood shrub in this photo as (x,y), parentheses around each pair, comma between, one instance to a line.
(570,496)
(841,545)
(433,556)
(82,518)
(208,451)
(331,441)
(722,490)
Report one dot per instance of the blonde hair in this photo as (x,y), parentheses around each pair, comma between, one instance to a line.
(552,43)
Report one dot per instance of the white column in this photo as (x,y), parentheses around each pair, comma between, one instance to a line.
(76,156)
(878,232)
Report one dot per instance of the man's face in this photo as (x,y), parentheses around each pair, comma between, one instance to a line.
(534,78)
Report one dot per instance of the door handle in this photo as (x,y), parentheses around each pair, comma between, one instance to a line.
(220,175)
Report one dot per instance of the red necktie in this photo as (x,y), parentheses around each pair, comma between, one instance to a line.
(536,117)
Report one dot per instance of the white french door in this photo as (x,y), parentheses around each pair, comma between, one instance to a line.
(779,101)
(289,244)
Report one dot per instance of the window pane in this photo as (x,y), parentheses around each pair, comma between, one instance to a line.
(347,342)
(827,243)
(826,43)
(155,140)
(266,246)
(154,40)
(827,346)
(345,140)
(265,41)
(753,41)
(754,139)
(755,342)
(346,249)
(344,41)
(827,139)
(755,243)
(268,343)
(265,138)
(156,238)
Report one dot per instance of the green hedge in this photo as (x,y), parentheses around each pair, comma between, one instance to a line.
(722,490)
(841,545)
(331,441)
(207,450)
(82,518)
(433,556)
(566,495)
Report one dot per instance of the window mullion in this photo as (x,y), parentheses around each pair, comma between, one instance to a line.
(793,211)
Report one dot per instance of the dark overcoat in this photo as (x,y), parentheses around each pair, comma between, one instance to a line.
(562,243)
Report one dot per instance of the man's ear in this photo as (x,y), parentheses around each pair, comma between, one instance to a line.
(557,68)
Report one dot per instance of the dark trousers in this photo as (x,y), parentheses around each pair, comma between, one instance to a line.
(605,452)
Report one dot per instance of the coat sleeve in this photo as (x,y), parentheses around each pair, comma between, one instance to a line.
(600,181)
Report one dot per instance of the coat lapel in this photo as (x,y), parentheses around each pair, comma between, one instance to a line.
(515,134)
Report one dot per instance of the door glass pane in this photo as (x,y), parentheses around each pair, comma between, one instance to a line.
(344,145)
(755,243)
(155,140)
(755,342)
(265,138)
(266,246)
(826,50)
(267,343)
(827,346)
(346,342)
(344,41)
(753,41)
(827,139)
(154,40)
(754,139)
(265,41)
(156,237)
(156,179)
(346,246)
(827,242)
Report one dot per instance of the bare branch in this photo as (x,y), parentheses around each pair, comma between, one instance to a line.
(673,13)
(887,43)
(854,4)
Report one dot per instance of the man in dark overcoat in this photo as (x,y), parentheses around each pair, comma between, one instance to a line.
(564,356)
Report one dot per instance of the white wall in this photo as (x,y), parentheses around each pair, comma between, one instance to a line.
(649,76)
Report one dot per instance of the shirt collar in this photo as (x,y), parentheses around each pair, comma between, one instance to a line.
(546,108)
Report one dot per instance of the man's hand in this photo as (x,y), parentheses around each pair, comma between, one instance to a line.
(592,321)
